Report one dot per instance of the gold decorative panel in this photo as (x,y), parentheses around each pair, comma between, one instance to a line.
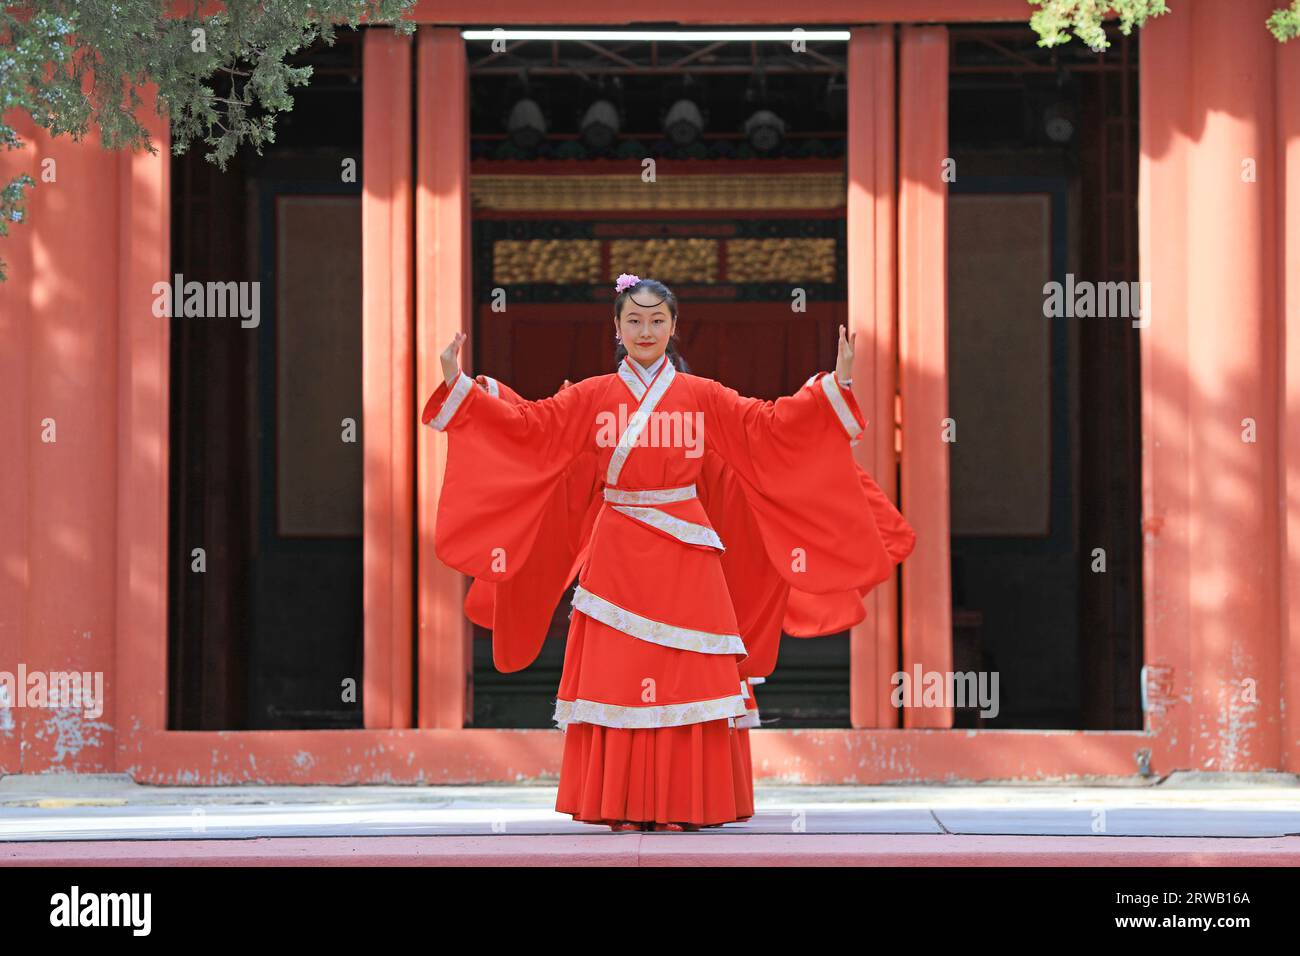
(669,260)
(612,193)
(516,261)
(781,260)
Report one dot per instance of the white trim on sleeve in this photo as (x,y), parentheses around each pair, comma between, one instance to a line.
(452,402)
(841,407)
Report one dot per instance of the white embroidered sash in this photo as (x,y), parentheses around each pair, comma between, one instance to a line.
(650,496)
(637,421)
(639,504)
(655,632)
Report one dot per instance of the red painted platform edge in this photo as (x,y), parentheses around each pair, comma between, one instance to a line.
(609,849)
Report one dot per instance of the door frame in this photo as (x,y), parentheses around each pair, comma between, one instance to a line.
(441,750)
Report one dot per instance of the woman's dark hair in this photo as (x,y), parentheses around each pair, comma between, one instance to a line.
(657,288)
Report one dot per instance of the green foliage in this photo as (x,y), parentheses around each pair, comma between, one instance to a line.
(1285,24)
(1055,19)
(74,65)
(221,79)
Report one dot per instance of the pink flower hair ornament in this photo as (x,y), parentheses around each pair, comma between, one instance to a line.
(625,280)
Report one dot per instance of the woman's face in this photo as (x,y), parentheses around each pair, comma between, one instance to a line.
(645,327)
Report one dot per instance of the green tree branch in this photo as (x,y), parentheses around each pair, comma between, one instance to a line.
(221,79)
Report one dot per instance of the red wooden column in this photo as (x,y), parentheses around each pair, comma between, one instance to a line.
(442,293)
(1208,195)
(1166,144)
(1233,352)
(1288,138)
(85,548)
(89,568)
(72,498)
(871,266)
(387,378)
(16,426)
(923,355)
(139,680)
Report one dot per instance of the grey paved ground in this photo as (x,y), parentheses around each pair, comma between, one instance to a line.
(111,807)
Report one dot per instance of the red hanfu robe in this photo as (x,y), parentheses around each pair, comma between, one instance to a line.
(656,666)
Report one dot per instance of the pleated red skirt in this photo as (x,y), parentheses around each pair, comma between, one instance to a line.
(742,735)
(694,773)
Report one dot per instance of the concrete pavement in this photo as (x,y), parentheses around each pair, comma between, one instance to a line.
(1186,819)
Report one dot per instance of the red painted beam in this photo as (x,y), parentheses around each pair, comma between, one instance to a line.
(770,13)
(487,14)
(512,756)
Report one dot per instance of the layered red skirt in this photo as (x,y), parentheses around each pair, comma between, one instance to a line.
(694,773)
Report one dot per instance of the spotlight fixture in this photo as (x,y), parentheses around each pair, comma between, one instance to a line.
(1058,122)
(765,130)
(600,125)
(526,125)
(683,123)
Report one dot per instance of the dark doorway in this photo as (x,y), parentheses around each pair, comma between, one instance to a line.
(265,472)
(1046,474)
(552,256)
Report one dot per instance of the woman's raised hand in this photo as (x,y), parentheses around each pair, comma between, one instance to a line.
(844,363)
(450,360)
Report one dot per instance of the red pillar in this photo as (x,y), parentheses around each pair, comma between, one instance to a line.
(872,282)
(923,355)
(387,386)
(68,375)
(1233,354)
(442,293)
(1166,145)
(1288,138)
(144,383)
(15,434)
(1211,367)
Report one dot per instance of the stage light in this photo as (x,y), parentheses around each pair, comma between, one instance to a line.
(765,130)
(600,124)
(526,125)
(1058,122)
(683,124)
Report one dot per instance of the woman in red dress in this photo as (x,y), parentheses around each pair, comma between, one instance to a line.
(652,690)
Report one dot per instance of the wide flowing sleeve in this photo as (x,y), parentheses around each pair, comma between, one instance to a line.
(506,459)
(519,610)
(793,460)
(813,615)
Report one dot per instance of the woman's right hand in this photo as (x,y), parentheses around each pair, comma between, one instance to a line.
(450,360)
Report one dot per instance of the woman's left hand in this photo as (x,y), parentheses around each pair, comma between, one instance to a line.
(844,364)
